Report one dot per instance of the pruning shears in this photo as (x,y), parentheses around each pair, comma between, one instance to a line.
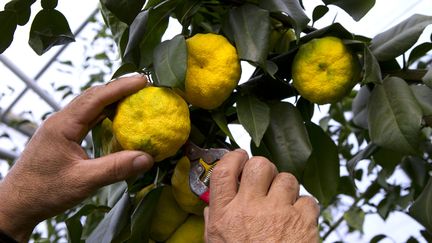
(202,163)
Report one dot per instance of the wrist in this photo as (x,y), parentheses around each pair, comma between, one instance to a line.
(13,221)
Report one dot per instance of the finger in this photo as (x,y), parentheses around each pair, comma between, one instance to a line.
(81,113)
(223,181)
(285,188)
(257,176)
(206,221)
(309,208)
(115,167)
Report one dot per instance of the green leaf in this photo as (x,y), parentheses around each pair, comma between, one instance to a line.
(377,238)
(359,107)
(125,10)
(419,52)
(49,4)
(427,235)
(306,108)
(114,192)
(219,117)
(427,79)
(152,3)
(356,8)
(417,170)
(125,68)
(186,10)
(22,10)
(49,28)
(347,186)
(318,12)
(113,223)
(387,204)
(355,218)
(421,210)
(8,25)
(254,115)
(116,26)
(146,31)
(412,239)
(394,116)
(398,39)
(142,215)
(292,12)
(251,28)
(423,95)
(371,68)
(335,29)
(286,139)
(262,150)
(267,88)
(97,133)
(170,62)
(372,190)
(321,174)
(388,159)
(74,225)
(370,149)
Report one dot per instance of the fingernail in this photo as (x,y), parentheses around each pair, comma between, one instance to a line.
(139,75)
(143,162)
(242,151)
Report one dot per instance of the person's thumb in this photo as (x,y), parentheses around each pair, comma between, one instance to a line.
(117,167)
(206,220)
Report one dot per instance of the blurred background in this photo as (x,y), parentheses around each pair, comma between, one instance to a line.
(32,87)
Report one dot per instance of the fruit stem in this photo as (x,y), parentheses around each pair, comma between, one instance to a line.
(410,75)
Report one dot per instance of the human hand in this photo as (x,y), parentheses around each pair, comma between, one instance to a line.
(265,207)
(54,173)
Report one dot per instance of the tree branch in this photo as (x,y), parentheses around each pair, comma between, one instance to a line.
(410,75)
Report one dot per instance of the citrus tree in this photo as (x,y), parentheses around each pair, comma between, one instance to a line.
(380,108)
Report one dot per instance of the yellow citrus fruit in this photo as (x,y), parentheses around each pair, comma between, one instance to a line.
(168,216)
(143,192)
(280,40)
(191,231)
(324,70)
(187,200)
(213,70)
(155,120)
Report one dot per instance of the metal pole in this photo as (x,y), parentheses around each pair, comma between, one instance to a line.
(9,155)
(30,83)
(47,65)
(26,128)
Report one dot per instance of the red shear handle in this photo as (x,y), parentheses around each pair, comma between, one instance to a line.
(205,196)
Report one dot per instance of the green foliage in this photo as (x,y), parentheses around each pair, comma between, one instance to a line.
(7,27)
(321,175)
(124,10)
(289,12)
(401,129)
(142,215)
(422,208)
(254,115)
(112,225)
(319,12)
(286,139)
(170,61)
(355,218)
(397,40)
(385,122)
(49,28)
(251,29)
(356,8)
